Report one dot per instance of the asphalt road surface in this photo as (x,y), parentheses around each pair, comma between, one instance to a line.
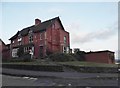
(51,81)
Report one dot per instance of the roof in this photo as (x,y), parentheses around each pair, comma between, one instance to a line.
(99,51)
(30,44)
(37,28)
(2,41)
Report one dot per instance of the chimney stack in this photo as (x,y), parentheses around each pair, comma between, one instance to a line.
(37,21)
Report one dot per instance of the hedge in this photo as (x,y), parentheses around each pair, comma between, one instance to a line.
(61,57)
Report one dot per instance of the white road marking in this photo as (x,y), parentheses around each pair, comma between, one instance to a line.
(33,78)
(25,77)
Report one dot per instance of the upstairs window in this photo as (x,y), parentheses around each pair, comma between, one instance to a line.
(30,38)
(19,35)
(13,41)
(41,36)
(30,32)
(19,39)
(65,39)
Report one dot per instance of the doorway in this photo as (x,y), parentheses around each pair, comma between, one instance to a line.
(41,51)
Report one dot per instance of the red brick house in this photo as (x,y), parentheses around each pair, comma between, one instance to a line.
(42,37)
(100,56)
(4,50)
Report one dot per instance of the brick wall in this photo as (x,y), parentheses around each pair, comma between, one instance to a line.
(100,57)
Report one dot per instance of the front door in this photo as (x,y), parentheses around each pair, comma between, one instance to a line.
(41,51)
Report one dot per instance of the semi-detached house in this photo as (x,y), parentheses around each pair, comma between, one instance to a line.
(42,38)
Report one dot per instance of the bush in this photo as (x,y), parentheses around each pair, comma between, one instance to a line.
(20,51)
(61,57)
(48,52)
(26,57)
(80,55)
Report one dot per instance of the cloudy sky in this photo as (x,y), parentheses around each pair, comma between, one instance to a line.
(92,25)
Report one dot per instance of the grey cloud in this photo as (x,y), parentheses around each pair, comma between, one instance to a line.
(102,34)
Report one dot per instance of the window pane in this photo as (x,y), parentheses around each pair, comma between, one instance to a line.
(65,39)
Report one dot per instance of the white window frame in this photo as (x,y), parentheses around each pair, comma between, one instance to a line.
(14,52)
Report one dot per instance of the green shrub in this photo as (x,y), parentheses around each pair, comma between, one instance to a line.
(80,55)
(61,57)
(26,57)
(48,52)
(20,51)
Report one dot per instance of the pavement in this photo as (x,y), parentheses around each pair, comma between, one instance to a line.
(73,75)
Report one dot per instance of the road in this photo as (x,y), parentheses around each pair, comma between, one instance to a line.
(51,81)
(17,77)
(56,74)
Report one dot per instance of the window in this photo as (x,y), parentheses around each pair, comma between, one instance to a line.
(14,52)
(30,38)
(65,40)
(26,49)
(64,49)
(19,35)
(67,49)
(30,32)
(19,41)
(41,37)
(13,41)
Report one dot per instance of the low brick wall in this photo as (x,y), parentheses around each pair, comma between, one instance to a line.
(51,68)
(59,68)
(94,69)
